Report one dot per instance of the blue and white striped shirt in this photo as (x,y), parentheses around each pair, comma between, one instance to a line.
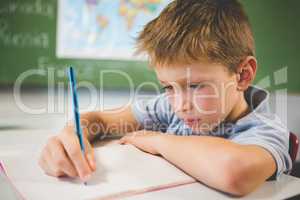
(260,127)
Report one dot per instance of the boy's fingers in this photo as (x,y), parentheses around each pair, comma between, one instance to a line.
(121,140)
(43,163)
(125,139)
(90,156)
(46,164)
(60,159)
(72,147)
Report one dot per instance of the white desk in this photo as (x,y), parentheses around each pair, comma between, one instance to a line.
(14,142)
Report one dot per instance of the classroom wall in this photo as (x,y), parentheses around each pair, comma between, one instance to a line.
(28,41)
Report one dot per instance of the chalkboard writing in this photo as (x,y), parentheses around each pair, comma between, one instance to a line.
(36,7)
(22,39)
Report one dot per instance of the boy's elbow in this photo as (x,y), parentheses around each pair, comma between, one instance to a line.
(235,180)
(231,178)
(235,185)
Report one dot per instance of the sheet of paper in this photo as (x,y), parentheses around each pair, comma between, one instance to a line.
(121,169)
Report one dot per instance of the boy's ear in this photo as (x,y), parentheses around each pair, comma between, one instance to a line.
(246,72)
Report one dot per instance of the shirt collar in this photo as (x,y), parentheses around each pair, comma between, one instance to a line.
(258,101)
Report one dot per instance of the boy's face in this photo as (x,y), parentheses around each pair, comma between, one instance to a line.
(202,94)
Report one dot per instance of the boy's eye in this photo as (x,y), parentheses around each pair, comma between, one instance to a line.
(197,86)
(168,88)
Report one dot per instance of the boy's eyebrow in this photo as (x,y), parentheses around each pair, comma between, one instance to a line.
(161,81)
(183,81)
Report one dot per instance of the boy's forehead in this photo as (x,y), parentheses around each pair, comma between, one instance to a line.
(189,72)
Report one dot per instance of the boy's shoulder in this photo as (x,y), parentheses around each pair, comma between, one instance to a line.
(261,116)
(263,128)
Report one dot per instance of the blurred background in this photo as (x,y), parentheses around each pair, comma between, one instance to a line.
(39,39)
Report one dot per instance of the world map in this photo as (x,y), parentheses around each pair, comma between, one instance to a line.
(103,29)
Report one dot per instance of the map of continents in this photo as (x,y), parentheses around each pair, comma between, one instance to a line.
(102,28)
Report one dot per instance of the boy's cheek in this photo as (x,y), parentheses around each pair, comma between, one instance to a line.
(210,108)
(210,112)
(175,102)
(206,107)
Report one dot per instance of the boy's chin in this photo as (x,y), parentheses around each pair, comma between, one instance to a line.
(200,130)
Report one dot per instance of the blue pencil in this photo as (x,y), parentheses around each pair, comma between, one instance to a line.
(72,81)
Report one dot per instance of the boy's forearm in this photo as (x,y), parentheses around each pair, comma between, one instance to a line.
(117,121)
(91,122)
(217,162)
(201,157)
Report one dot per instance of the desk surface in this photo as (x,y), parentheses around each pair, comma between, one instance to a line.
(15,142)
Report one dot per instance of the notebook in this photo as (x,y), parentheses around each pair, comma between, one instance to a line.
(122,171)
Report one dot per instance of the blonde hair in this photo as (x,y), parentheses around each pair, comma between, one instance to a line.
(189,31)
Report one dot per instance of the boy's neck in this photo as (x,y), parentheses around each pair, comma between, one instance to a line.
(240,110)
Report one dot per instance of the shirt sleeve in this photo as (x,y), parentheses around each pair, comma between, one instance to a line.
(153,114)
(274,139)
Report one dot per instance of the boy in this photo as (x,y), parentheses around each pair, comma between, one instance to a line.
(216,126)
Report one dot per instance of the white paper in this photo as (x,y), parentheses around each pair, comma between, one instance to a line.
(120,168)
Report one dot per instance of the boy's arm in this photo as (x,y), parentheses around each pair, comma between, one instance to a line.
(62,154)
(219,163)
(114,121)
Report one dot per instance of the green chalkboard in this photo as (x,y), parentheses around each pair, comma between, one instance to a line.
(28,41)
(276,29)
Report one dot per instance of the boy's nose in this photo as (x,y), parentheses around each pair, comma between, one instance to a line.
(184,103)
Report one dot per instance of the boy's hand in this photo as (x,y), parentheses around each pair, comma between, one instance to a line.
(147,141)
(62,156)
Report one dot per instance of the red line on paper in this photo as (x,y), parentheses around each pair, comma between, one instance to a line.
(2,169)
(145,190)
